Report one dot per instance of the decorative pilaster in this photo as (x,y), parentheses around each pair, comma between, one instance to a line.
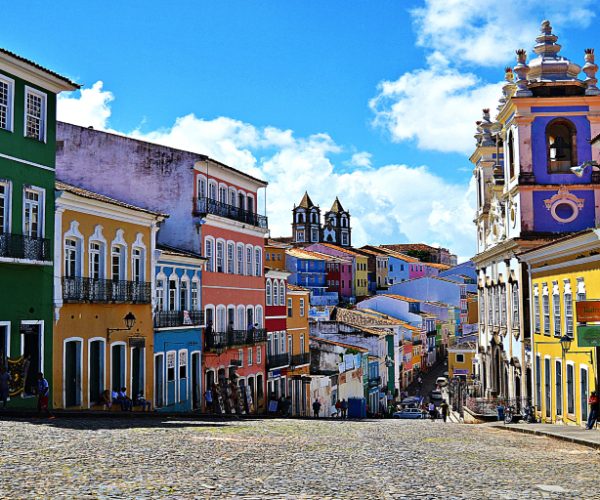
(521,69)
(590,68)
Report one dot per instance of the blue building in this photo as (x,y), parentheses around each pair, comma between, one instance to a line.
(310,271)
(178,323)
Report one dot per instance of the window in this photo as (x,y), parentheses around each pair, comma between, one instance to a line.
(170,366)
(558,384)
(314,234)
(250,356)
(546,309)
(496,306)
(302,347)
(258,354)
(257,262)
(515,305)
(547,387)
(223,194)
(35,114)
(220,256)
(6,103)
(137,267)
(300,235)
(172,294)
(195,306)
(240,259)
(583,396)
(259,316)
(208,253)
(460,358)
(581,294)
(160,294)
(230,258)
(95,260)
(282,293)
(345,239)
(570,388)
(556,308)
(267,256)
(302,307)
(117,269)
(212,190)
(268,293)
(250,204)
(561,140)
(183,295)
(201,187)
(32,214)
(4,207)
(510,146)
(282,342)
(538,382)
(70,258)
(568,307)
(275,293)
(249,261)
(290,310)
(241,356)
(182,365)
(536,308)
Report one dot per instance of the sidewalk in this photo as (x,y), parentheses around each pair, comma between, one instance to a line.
(572,434)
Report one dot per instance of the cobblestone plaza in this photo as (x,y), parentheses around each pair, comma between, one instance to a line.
(156,458)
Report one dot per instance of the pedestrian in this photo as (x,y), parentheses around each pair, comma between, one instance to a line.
(338,408)
(316,408)
(444,407)
(4,383)
(594,403)
(208,334)
(208,400)
(123,399)
(500,411)
(43,393)
(344,408)
(432,410)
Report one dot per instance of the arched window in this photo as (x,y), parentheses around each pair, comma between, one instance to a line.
(249,260)
(313,218)
(561,146)
(300,217)
(240,258)
(259,316)
(209,253)
(282,293)
(269,296)
(275,293)
(201,186)
(258,261)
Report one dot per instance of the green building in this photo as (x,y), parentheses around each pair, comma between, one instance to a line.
(27,157)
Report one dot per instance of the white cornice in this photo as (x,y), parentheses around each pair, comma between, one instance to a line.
(31,74)
(568,247)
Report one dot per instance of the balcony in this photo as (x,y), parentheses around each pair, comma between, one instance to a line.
(300,359)
(169,319)
(17,246)
(223,340)
(206,206)
(277,360)
(77,289)
(374,381)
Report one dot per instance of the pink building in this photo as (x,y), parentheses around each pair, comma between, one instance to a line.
(345,268)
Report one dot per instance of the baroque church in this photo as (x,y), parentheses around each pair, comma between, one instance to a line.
(307,227)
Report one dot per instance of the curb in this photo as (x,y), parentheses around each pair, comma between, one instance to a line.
(582,442)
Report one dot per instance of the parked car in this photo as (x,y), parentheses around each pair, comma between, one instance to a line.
(441,381)
(411,401)
(409,413)
(436,397)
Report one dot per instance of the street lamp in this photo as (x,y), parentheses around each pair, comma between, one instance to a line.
(565,343)
(579,170)
(129,321)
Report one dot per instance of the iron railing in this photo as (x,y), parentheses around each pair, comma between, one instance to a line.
(232,338)
(78,289)
(277,360)
(209,206)
(300,359)
(18,246)
(166,319)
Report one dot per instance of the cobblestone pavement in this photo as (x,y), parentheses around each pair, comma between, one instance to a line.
(299,459)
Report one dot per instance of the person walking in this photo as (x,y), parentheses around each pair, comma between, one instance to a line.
(338,409)
(208,400)
(43,393)
(344,408)
(594,403)
(444,408)
(316,408)
(432,410)
(4,383)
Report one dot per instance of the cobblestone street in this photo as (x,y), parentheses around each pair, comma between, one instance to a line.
(152,458)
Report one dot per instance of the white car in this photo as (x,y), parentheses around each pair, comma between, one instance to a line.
(442,381)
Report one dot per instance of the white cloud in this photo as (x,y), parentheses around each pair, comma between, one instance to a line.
(88,107)
(487,32)
(436,106)
(361,159)
(392,203)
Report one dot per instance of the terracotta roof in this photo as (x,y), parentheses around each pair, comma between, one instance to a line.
(443,267)
(398,297)
(41,68)
(371,252)
(339,344)
(403,247)
(304,254)
(169,250)
(399,255)
(337,206)
(341,249)
(276,244)
(306,202)
(296,288)
(84,193)
(364,317)
(330,258)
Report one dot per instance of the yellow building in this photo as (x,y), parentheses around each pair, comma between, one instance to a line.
(298,302)
(460,360)
(103,331)
(275,254)
(564,273)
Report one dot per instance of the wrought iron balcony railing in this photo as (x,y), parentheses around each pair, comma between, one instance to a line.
(209,206)
(166,319)
(78,289)
(17,246)
(300,359)
(277,360)
(232,338)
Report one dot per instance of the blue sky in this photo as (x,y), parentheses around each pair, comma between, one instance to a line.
(294,91)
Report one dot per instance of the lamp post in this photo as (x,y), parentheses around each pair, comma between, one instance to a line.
(579,170)
(129,321)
